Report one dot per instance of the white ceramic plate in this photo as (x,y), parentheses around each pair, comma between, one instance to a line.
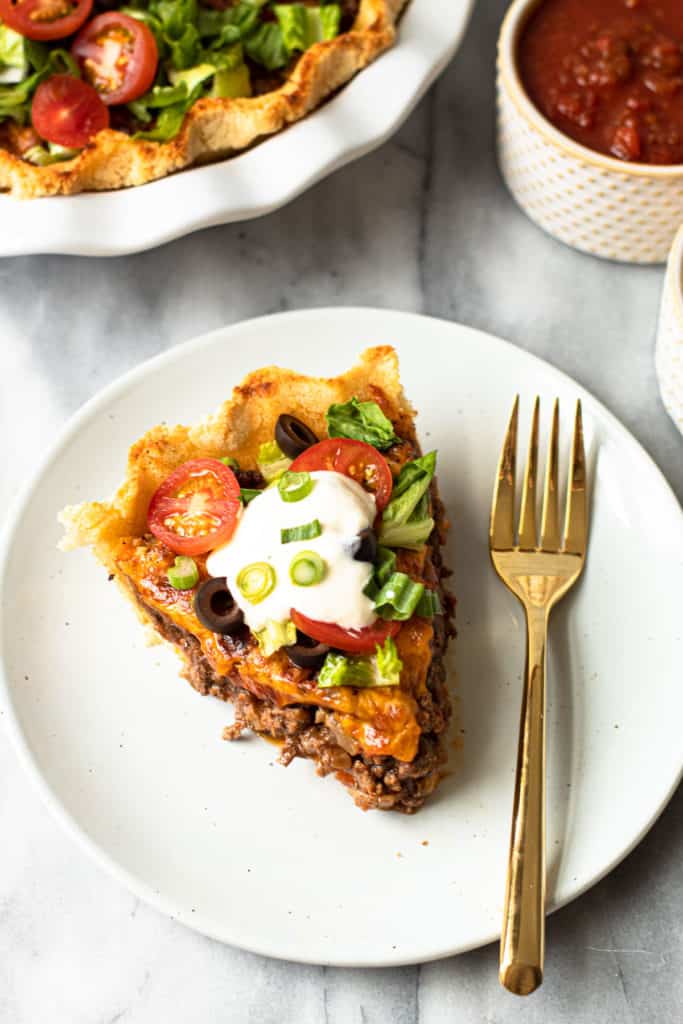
(361,117)
(277,860)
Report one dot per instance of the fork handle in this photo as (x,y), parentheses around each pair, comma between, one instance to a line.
(522,944)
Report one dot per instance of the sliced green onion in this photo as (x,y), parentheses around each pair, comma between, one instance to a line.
(307,568)
(429,605)
(183,574)
(385,565)
(248,494)
(399,597)
(256,581)
(294,486)
(272,461)
(306,532)
(231,463)
(275,635)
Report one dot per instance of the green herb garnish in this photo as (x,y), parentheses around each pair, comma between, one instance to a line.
(305,532)
(294,486)
(183,574)
(256,581)
(307,569)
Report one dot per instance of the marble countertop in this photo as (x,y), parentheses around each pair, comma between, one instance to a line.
(423,224)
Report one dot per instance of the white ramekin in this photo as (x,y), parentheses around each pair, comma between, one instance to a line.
(618,210)
(669,351)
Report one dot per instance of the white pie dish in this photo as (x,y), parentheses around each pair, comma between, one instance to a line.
(359,118)
(130,758)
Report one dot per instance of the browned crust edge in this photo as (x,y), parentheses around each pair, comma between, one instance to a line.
(213,128)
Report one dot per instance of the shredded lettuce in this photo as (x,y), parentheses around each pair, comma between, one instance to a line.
(15,100)
(275,635)
(383,669)
(302,26)
(50,153)
(361,421)
(231,83)
(388,663)
(13,58)
(272,461)
(406,522)
(266,46)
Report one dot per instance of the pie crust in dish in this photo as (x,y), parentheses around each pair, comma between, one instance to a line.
(213,128)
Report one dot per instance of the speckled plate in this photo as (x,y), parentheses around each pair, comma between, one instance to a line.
(361,117)
(279,861)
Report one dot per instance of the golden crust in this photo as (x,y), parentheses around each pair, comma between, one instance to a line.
(242,423)
(213,128)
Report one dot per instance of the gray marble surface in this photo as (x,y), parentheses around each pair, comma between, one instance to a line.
(423,224)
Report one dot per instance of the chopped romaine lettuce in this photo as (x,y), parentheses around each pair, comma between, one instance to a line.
(383,669)
(13,57)
(361,421)
(50,153)
(272,461)
(406,522)
(266,46)
(388,663)
(231,83)
(275,635)
(302,26)
(15,100)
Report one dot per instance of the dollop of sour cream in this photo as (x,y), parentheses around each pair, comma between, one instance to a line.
(343,509)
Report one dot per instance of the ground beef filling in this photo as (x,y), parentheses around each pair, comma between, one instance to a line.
(309,732)
(305,731)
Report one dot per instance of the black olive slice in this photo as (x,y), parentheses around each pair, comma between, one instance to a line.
(306,652)
(293,436)
(215,606)
(367,549)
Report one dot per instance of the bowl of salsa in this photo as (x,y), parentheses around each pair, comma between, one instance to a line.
(591,121)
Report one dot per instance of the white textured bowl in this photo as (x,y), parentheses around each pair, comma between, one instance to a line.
(362,116)
(607,207)
(669,352)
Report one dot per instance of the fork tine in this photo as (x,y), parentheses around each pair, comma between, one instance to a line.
(576,521)
(550,521)
(502,532)
(527,518)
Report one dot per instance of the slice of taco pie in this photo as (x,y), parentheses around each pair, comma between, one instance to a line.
(289,547)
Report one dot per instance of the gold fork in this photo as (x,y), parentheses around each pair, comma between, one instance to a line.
(539,575)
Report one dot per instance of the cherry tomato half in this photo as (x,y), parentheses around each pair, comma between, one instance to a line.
(67,111)
(354,641)
(196,507)
(45,19)
(360,461)
(117,55)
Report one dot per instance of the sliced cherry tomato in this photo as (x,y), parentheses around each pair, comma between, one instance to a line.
(45,19)
(354,641)
(67,111)
(117,55)
(196,507)
(360,461)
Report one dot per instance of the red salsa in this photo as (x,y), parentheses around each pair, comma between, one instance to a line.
(609,74)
